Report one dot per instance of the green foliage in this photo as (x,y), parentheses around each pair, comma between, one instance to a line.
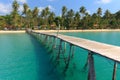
(69,19)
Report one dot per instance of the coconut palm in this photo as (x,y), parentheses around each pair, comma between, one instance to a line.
(82,11)
(25,11)
(99,12)
(35,16)
(29,18)
(45,13)
(107,14)
(77,20)
(15,15)
(70,19)
(15,6)
(51,18)
(64,11)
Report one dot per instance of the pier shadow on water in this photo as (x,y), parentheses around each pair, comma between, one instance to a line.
(44,67)
(78,66)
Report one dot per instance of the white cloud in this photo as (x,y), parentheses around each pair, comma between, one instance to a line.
(5,8)
(89,12)
(41,8)
(51,8)
(103,1)
(20,8)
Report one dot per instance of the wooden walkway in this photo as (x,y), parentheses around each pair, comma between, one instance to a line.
(106,50)
(93,47)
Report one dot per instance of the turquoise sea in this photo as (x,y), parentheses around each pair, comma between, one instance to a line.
(23,57)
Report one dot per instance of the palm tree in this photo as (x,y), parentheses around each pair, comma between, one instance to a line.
(25,11)
(64,11)
(15,15)
(99,13)
(70,19)
(107,14)
(94,20)
(106,18)
(42,15)
(77,20)
(3,22)
(29,18)
(82,11)
(87,21)
(45,13)
(15,6)
(35,16)
(51,18)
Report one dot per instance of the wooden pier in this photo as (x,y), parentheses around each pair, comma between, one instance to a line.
(93,47)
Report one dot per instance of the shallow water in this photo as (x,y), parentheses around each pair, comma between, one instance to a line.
(103,66)
(23,58)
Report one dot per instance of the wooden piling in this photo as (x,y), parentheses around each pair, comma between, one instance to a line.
(72,51)
(114,71)
(68,60)
(91,70)
(59,50)
(54,43)
(69,56)
(102,49)
(64,47)
(45,40)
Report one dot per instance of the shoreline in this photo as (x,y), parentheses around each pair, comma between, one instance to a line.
(21,31)
(91,30)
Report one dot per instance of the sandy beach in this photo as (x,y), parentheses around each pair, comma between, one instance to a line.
(22,31)
(92,30)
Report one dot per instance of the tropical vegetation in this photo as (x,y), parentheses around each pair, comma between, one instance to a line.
(69,19)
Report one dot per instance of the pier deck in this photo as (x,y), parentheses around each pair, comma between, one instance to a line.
(106,50)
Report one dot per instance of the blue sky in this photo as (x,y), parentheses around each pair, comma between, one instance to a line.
(56,5)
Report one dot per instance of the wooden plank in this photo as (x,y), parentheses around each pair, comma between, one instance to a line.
(106,50)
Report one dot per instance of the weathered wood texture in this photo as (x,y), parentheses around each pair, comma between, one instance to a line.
(106,50)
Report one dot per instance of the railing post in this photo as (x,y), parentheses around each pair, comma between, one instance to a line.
(114,71)
(91,70)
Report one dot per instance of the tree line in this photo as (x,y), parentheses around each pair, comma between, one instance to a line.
(69,19)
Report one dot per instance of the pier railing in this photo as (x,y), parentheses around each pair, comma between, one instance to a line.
(93,47)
